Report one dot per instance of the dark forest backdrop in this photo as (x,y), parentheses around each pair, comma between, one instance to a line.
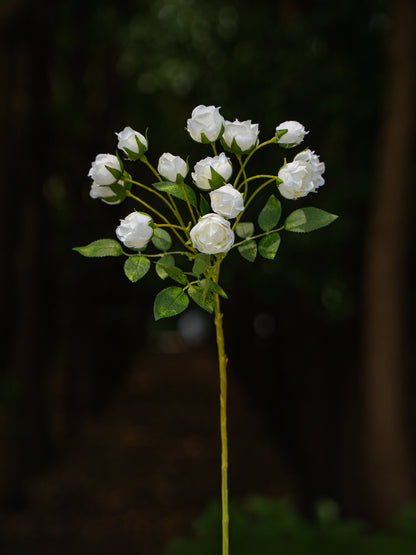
(331,369)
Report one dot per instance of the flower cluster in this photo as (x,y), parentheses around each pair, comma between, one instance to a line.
(204,219)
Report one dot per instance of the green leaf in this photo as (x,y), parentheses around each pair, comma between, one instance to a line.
(176,191)
(308,219)
(135,267)
(161,239)
(213,287)
(173,272)
(269,245)
(248,250)
(101,247)
(204,207)
(167,260)
(199,296)
(170,302)
(201,263)
(244,229)
(270,215)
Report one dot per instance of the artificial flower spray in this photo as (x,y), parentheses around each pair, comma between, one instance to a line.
(187,242)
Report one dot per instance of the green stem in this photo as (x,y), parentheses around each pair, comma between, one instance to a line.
(261,145)
(171,204)
(222,360)
(182,185)
(151,168)
(262,186)
(258,236)
(155,192)
(174,226)
(162,217)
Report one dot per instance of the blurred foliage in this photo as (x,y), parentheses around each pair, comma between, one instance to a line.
(267,526)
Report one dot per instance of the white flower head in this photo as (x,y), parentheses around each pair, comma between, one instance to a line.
(290,133)
(106,169)
(173,168)
(302,176)
(205,124)
(106,194)
(135,231)
(132,143)
(212,171)
(227,201)
(240,137)
(212,235)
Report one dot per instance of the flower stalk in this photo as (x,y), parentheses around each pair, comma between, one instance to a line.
(222,362)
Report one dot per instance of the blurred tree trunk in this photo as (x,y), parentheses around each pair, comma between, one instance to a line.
(387,468)
(22,407)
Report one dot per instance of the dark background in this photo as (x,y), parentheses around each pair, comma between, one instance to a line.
(320,341)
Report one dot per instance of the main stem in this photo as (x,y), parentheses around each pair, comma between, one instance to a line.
(222,360)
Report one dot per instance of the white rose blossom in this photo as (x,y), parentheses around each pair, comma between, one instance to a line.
(290,133)
(133,143)
(135,230)
(212,235)
(240,136)
(104,193)
(302,176)
(173,168)
(227,201)
(203,176)
(99,172)
(205,124)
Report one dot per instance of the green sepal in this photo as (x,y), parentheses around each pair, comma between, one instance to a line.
(205,140)
(167,260)
(216,180)
(126,184)
(116,173)
(136,267)
(308,219)
(170,302)
(270,215)
(100,248)
(201,264)
(119,191)
(244,229)
(248,250)
(269,245)
(133,156)
(173,272)
(161,239)
(235,149)
(204,206)
(201,298)
(176,191)
(280,133)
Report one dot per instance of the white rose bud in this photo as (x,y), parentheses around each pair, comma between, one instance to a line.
(135,230)
(212,171)
(290,133)
(212,235)
(205,124)
(302,176)
(240,137)
(106,194)
(100,173)
(172,168)
(133,143)
(227,201)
